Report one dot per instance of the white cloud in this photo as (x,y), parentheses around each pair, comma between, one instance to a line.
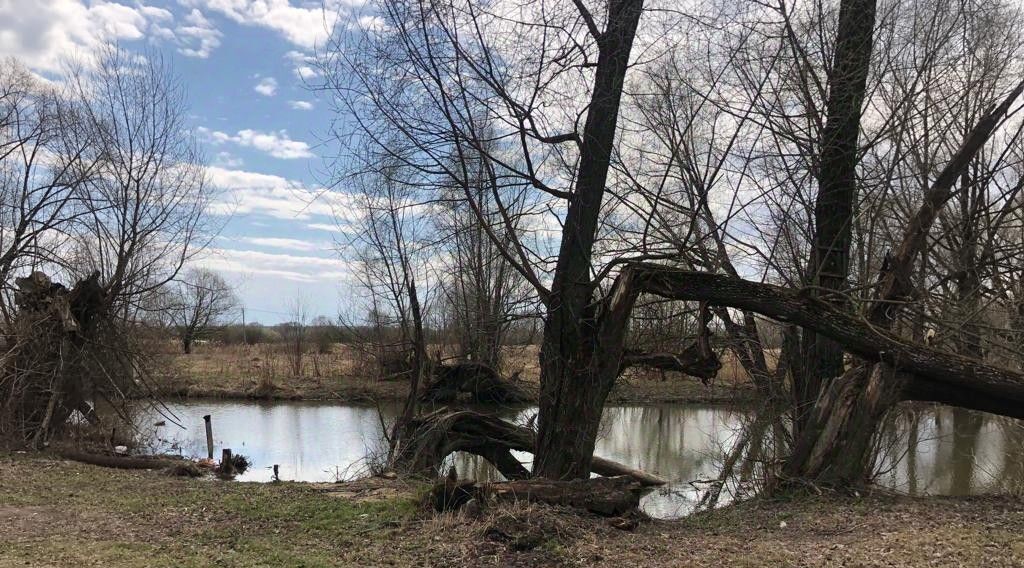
(307,25)
(266,87)
(199,37)
(296,268)
(298,57)
(227,160)
(276,144)
(287,244)
(275,196)
(301,105)
(305,73)
(41,34)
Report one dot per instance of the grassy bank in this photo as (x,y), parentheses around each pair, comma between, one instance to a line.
(58,513)
(269,371)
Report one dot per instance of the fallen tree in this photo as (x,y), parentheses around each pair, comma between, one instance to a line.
(65,353)
(693,361)
(430,438)
(938,376)
(122,462)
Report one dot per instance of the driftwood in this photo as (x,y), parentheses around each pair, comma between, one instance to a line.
(472,382)
(120,462)
(432,437)
(609,496)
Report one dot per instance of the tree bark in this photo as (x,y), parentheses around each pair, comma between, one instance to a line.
(574,385)
(837,192)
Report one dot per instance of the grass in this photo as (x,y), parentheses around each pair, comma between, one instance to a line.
(65,513)
(58,513)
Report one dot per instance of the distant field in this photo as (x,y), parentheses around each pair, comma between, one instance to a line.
(347,373)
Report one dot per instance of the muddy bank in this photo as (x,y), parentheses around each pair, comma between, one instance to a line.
(55,512)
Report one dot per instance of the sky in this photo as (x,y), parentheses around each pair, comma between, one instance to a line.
(243,63)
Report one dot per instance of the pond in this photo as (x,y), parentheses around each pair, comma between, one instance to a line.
(930,450)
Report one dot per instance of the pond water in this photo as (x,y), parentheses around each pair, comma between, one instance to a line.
(933,450)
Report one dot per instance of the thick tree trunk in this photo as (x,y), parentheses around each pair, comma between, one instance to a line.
(835,448)
(837,191)
(573,384)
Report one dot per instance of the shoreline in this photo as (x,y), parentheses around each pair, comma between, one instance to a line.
(343,376)
(362,394)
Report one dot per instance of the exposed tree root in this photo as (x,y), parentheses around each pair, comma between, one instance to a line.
(428,439)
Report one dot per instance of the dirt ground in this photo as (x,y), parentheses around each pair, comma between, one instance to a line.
(59,513)
(267,371)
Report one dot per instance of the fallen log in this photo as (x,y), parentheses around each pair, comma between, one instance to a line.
(119,462)
(691,361)
(432,437)
(607,496)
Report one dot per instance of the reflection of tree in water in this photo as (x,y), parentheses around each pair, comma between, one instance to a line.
(922,450)
(963,451)
(948,451)
(1010,478)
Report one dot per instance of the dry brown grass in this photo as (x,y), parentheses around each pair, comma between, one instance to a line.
(347,373)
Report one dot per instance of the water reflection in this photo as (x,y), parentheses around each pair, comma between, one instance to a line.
(932,450)
(952,451)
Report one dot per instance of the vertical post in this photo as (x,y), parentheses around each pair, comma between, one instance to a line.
(209,437)
(276,476)
(227,467)
(245,338)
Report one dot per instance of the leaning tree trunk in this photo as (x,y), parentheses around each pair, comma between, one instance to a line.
(834,445)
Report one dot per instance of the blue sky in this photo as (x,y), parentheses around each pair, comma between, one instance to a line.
(243,63)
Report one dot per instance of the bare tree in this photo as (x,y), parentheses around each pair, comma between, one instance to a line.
(295,334)
(202,298)
(101,184)
(41,169)
(822,146)
(387,243)
(146,202)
